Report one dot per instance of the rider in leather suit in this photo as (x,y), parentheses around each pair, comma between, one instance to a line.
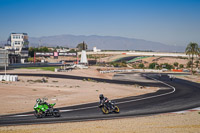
(104,100)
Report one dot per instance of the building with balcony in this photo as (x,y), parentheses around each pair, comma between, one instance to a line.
(17,45)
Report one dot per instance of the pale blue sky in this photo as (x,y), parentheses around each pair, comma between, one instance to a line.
(174,22)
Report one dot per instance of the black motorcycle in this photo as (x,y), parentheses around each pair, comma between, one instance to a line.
(108,107)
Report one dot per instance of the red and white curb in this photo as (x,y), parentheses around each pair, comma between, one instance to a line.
(186,111)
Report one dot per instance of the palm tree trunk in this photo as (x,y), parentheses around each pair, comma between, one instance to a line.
(192,62)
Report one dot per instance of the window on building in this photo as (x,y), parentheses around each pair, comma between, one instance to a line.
(17,42)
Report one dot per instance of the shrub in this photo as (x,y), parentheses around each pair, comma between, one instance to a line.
(168,66)
(118,64)
(153,65)
(189,64)
(30,59)
(176,64)
(134,66)
(181,66)
(141,65)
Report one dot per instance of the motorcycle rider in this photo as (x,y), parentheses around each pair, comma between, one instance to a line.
(105,100)
(41,102)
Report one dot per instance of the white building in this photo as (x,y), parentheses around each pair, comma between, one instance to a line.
(18,44)
(63,50)
(96,50)
(19,41)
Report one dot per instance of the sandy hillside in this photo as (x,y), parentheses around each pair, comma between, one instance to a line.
(171,60)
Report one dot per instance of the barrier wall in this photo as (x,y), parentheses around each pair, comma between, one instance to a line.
(8,77)
(175,70)
(131,70)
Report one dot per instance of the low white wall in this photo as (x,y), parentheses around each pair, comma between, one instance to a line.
(141,53)
(131,70)
(8,77)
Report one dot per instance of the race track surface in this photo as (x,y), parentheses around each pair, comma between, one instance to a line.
(173,96)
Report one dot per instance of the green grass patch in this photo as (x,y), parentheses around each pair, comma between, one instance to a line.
(41,68)
(138,58)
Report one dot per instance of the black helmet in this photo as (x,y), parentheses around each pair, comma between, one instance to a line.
(101,96)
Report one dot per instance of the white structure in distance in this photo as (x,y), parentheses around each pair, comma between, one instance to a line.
(18,42)
(83,57)
(96,50)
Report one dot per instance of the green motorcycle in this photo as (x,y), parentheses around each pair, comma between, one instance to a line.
(43,109)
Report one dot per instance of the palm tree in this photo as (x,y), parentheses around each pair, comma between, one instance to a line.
(191,50)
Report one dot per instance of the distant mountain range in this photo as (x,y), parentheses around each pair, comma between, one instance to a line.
(103,42)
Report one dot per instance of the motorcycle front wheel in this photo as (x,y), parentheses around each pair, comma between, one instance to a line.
(104,110)
(116,109)
(56,113)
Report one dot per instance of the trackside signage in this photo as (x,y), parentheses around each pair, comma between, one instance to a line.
(66,54)
(44,54)
(54,54)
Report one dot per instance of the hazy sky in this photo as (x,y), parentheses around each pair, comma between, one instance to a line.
(174,22)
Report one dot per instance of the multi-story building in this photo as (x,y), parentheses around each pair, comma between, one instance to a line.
(18,44)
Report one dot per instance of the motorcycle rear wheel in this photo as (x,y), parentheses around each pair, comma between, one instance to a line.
(104,110)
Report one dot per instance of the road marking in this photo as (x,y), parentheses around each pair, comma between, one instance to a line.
(65,110)
(78,109)
(21,115)
(152,96)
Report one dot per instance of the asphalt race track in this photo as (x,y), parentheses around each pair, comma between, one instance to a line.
(173,96)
